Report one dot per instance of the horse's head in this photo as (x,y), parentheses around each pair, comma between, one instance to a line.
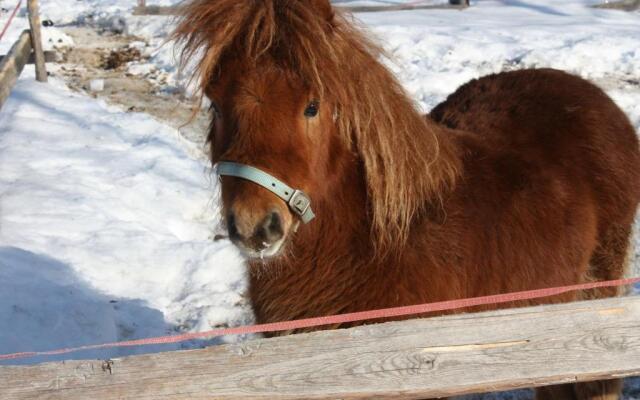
(273,123)
(271,138)
(299,98)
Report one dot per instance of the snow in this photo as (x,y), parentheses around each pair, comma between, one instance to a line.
(107,217)
(107,221)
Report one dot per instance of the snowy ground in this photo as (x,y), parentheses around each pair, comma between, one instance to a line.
(107,221)
(107,216)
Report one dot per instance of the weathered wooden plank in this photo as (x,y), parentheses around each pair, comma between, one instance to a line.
(36,40)
(461,4)
(625,5)
(403,7)
(155,10)
(49,56)
(12,64)
(415,359)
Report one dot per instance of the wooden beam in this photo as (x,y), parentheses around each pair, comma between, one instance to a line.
(12,64)
(49,57)
(403,7)
(155,10)
(36,39)
(416,359)
(455,4)
(625,5)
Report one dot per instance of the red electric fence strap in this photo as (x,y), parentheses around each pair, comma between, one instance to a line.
(339,319)
(13,14)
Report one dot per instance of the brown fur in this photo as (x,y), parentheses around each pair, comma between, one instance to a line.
(520,180)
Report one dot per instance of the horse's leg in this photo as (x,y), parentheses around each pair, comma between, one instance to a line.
(599,390)
(609,261)
(557,392)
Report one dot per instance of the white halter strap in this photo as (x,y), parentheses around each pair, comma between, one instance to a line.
(298,202)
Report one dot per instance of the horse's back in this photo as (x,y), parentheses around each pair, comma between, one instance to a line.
(553,121)
(574,158)
(549,186)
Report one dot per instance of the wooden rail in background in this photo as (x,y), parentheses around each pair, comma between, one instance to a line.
(28,48)
(625,5)
(12,64)
(49,56)
(416,359)
(403,7)
(143,9)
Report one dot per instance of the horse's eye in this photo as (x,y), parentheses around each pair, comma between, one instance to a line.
(312,109)
(214,109)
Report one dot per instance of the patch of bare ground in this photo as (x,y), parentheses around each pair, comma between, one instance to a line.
(104,59)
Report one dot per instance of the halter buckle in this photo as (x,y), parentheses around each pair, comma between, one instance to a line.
(299,202)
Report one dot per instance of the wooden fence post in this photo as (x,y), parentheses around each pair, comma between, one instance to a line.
(12,64)
(36,40)
(142,3)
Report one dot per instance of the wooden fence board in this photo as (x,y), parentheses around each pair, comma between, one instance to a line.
(12,64)
(415,359)
(49,56)
(173,10)
(155,10)
(401,7)
(625,5)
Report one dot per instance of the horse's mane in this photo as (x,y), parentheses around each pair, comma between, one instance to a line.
(405,164)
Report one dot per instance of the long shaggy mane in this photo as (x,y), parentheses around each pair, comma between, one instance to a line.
(406,166)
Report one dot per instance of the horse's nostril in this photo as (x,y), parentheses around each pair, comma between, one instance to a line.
(233,229)
(270,230)
(275,223)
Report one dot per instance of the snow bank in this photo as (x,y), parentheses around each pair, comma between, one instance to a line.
(107,225)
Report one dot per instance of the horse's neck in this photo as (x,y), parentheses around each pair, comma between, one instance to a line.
(345,220)
(327,261)
(342,226)
(321,261)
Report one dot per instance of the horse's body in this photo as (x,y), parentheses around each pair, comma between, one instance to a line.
(520,180)
(547,196)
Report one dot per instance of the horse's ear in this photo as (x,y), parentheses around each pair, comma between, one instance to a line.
(324,8)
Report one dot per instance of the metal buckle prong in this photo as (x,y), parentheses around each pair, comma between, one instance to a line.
(299,202)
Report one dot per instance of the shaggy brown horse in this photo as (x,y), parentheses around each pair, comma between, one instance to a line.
(520,180)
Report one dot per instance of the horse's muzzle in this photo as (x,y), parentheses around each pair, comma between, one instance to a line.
(262,240)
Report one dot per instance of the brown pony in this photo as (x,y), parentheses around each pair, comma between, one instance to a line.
(519,180)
